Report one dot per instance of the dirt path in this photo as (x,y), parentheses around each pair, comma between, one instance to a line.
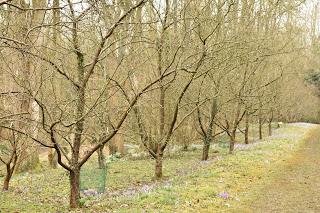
(296,185)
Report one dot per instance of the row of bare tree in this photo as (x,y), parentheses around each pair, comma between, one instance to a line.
(75,74)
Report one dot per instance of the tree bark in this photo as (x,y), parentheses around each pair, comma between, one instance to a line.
(260,129)
(10,169)
(208,134)
(162,110)
(270,123)
(6,183)
(246,130)
(75,188)
(158,167)
(53,159)
(232,141)
(270,128)
(101,158)
(260,121)
(185,147)
(205,151)
(7,178)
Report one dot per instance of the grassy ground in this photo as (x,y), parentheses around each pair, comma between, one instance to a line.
(294,186)
(224,183)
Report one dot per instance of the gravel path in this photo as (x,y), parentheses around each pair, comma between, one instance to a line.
(296,186)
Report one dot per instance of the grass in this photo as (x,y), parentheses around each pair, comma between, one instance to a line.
(293,186)
(189,185)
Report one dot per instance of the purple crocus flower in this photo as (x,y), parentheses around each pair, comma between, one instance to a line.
(223,195)
(90,192)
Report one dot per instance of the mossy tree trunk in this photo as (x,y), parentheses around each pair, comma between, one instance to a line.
(158,166)
(205,150)
(207,133)
(101,158)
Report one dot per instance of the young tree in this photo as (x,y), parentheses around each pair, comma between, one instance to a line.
(66,118)
(10,150)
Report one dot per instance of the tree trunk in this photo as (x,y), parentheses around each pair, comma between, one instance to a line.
(162,111)
(232,141)
(260,129)
(185,147)
(101,158)
(53,159)
(75,188)
(270,128)
(7,178)
(208,135)
(205,151)
(246,130)
(158,167)
(270,123)
(206,146)
(6,183)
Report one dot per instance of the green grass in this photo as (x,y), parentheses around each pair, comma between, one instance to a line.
(189,185)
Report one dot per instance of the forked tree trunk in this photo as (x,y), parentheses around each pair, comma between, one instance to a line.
(158,167)
(208,135)
(10,169)
(205,151)
(6,183)
(7,178)
(75,188)
(232,141)
(206,146)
